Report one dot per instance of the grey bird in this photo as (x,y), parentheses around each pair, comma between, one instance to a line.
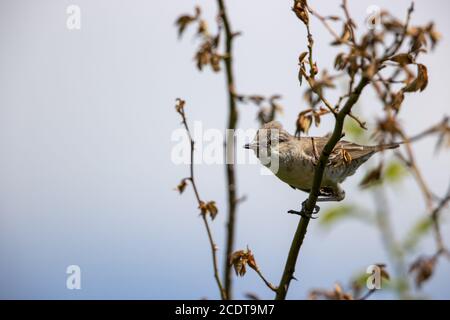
(298,156)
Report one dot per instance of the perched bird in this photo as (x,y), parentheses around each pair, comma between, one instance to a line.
(297,157)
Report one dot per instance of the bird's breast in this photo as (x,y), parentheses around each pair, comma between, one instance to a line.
(298,173)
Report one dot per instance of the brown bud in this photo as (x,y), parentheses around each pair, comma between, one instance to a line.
(300,8)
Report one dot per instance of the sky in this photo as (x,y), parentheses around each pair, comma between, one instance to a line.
(87,177)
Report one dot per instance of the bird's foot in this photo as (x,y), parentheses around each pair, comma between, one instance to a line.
(303,214)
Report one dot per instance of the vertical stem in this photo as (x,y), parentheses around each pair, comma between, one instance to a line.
(213,245)
(229,149)
(191,178)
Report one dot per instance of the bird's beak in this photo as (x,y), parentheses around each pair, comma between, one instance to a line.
(252,145)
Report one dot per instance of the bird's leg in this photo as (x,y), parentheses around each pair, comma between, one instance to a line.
(302,212)
(328,193)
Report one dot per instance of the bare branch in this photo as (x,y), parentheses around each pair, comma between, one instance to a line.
(398,42)
(325,23)
(180,110)
(229,146)
(311,83)
(268,284)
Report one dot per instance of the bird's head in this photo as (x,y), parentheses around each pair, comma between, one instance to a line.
(268,138)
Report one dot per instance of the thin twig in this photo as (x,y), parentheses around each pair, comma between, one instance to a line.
(325,23)
(444,123)
(367,294)
(268,284)
(362,124)
(317,92)
(441,249)
(350,22)
(191,178)
(412,164)
(229,148)
(417,173)
(398,42)
(312,67)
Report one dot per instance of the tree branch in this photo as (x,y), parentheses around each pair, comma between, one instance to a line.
(268,284)
(350,22)
(324,21)
(180,110)
(428,195)
(417,173)
(302,227)
(398,42)
(229,147)
(311,80)
(441,248)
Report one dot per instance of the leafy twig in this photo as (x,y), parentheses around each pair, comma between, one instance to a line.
(180,109)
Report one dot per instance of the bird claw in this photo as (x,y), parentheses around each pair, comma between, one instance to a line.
(302,214)
(305,215)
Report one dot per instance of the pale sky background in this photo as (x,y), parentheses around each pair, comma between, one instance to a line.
(86,119)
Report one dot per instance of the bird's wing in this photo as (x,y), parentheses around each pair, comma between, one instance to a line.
(343,153)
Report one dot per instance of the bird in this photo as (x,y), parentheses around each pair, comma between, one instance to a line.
(297,157)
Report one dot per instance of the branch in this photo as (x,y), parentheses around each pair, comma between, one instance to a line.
(310,78)
(398,42)
(311,83)
(441,249)
(362,124)
(324,21)
(302,227)
(417,173)
(312,66)
(180,110)
(268,284)
(443,125)
(353,96)
(229,147)
(350,22)
(434,212)
(368,294)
